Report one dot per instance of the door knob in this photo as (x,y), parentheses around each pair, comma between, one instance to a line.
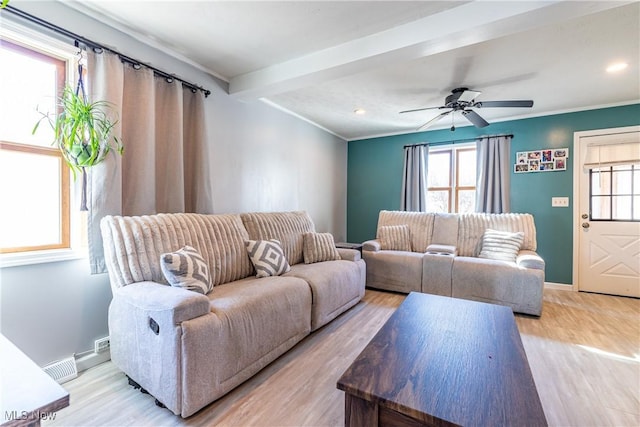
(585,225)
(585,216)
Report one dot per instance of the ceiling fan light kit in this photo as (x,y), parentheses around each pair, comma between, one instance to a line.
(463,99)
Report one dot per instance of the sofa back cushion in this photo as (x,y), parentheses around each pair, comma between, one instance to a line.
(471,228)
(420,226)
(133,245)
(445,229)
(286,227)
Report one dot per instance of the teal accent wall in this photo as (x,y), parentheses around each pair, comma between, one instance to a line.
(375,177)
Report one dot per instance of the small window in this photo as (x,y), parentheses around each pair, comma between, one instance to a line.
(614,193)
(452,180)
(35,188)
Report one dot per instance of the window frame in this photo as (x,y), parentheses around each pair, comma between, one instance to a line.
(635,192)
(70,246)
(454,173)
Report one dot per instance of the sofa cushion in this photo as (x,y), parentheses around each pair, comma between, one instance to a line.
(186,269)
(472,227)
(133,245)
(267,257)
(335,286)
(319,247)
(395,238)
(501,245)
(260,319)
(420,226)
(286,227)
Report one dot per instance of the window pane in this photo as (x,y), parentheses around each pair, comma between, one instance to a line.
(439,169)
(34,196)
(437,201)
(636,208)
(622,207)
(466,168)
(466,201)
(28,85)
(600,183)
(622,182)
(601,207)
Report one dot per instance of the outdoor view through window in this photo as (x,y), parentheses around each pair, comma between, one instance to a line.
(452,180)
(35,181)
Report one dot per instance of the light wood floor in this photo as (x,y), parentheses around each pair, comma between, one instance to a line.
(584,353)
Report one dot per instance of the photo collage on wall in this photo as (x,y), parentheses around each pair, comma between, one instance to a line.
(545,160)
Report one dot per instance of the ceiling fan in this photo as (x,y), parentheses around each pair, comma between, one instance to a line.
(463,99)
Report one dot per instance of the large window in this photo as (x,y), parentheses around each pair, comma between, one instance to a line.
(35,188)
(452,179)
(615,193)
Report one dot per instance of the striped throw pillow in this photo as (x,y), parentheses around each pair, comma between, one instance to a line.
(501,245)
(186,269)
(319,247)
(394,238)
(267,257)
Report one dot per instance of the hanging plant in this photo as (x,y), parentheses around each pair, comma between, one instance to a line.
(82,132)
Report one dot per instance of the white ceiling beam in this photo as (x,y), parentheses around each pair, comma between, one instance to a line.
(461,26)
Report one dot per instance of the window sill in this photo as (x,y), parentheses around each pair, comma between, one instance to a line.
(40,257)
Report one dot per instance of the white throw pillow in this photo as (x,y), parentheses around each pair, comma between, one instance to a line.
(267,257)
(186,269)
(501,245)
(319,247)
(394,238)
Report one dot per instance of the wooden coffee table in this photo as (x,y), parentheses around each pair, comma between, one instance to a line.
(440,361)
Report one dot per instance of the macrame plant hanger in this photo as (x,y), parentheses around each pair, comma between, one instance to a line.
(79,89)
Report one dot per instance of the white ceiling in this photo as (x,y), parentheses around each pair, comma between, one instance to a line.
(321,60)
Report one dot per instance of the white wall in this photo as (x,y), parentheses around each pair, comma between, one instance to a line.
(261,160)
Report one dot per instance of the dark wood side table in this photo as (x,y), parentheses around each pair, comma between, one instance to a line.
(440,361)
(28,395)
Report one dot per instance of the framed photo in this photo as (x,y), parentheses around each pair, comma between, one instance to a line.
(544,160)
(562,152)
(521,158)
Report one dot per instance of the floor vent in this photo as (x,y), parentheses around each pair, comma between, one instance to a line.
(63,370)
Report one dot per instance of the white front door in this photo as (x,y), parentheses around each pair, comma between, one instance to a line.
(607,211)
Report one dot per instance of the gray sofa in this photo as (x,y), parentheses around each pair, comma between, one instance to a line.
(444,259)
(188,349)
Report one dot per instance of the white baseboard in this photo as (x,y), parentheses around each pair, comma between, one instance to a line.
(92,359)
(559,286)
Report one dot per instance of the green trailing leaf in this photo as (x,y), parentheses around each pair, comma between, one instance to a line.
(82,130)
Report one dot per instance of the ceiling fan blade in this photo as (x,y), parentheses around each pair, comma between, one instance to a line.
(468,95)
(521,103)
(435,119)
(420,109)
(475,118)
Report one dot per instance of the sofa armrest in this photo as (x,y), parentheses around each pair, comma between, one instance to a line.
(349,254)
(442,250)
(530,259)
(174,304)
(371,245)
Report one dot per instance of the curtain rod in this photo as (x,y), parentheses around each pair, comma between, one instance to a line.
(457,141)
(97,47)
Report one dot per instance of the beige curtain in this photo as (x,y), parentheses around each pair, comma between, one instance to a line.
(164,167)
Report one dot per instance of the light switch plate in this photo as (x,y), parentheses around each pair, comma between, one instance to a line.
(560,202)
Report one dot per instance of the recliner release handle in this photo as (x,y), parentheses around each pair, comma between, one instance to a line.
(153,325)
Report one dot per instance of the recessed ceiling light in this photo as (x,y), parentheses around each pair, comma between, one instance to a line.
(618,66)
(360,111)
